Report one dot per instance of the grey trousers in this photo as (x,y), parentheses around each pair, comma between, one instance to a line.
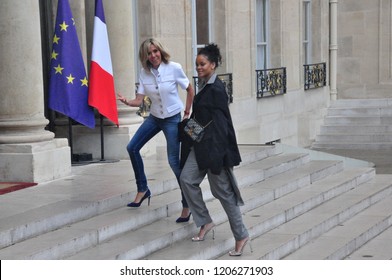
(221,188)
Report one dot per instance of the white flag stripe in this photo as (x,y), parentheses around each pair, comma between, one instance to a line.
(101,50)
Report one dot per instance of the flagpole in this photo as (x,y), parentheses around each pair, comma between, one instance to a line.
(102,139)
(70,138)
(103,144)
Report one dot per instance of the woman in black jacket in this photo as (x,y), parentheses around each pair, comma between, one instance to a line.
(215,155)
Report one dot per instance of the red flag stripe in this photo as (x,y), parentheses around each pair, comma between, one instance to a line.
(104,95)
(101,90)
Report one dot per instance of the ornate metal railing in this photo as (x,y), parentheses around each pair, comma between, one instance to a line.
(315,75)
(271,82)
(227,80)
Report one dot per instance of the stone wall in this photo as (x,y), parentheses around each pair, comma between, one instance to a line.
(364,55)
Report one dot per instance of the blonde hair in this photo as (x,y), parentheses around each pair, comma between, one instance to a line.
(145,48)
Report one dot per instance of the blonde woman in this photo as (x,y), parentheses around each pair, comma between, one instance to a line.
(159,80)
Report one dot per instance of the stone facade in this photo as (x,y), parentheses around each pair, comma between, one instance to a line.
(360,68)
(364,57)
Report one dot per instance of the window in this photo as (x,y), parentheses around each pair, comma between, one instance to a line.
(307,31)
(202,27)
(262,34)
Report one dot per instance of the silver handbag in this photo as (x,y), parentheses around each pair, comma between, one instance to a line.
(195,130)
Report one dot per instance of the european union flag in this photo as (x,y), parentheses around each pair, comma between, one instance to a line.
(68,85)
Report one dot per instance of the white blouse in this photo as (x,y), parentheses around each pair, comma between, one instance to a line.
(161,86)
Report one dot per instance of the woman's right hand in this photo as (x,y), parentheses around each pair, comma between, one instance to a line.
(122,99)
(132,102)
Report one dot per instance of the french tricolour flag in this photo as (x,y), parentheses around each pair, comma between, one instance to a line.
(101,93)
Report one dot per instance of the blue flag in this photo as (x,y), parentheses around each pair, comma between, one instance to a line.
(68,85)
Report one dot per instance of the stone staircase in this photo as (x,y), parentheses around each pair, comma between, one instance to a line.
(296,207)
(357,124)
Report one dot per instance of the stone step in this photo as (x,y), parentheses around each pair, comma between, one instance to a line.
(356,129)
(351,146)
(50,206)
(360,111)
(358,103)
(98,228)
(354,138)
(356,124)
(138,244)
(296,233)
(278,189)
(351,235)
(379,248)
(358,120)
(267,216)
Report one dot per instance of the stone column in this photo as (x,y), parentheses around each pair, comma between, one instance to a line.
(119,23)
(120,29)
(333,47)
(28,152)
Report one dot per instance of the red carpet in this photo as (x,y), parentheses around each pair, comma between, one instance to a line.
(7,187)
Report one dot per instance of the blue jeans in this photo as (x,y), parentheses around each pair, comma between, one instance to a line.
(148,129)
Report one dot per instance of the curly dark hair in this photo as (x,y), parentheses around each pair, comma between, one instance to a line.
(212,52)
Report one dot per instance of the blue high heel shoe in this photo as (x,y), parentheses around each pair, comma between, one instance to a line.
(137,204)
(183,220)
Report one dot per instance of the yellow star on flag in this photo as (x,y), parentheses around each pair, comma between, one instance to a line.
(56,39)
(63,26)
(70,79)
(54,55)
(84,81)
(59,69)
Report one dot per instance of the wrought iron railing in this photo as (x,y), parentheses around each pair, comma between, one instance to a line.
(227,80)
(315,75)
(271,82)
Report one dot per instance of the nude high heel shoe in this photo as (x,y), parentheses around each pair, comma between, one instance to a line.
(207,228)
(238,253)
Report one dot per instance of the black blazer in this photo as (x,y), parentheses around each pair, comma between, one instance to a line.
(218,148)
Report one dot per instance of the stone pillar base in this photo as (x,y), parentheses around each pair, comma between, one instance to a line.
(116,139)
(35,162)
